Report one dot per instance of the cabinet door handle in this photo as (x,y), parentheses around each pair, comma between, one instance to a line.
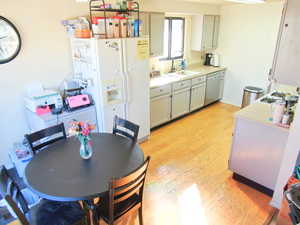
(161,97)
(181,91)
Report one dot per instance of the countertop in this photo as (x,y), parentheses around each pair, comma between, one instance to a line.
(195,70)
(259,112)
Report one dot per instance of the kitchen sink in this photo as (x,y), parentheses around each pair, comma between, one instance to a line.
(186,73)
(183,73)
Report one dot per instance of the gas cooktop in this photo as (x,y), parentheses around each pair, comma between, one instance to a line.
(269,99)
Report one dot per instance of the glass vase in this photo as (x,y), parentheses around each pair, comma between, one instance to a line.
(86,150)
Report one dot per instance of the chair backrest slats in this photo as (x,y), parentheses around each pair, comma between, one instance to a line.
(40,146)
(128,126)
(21,216)
(123,188)
(129,193)
(11,192)
(42,138)
(130,186)
(131,177)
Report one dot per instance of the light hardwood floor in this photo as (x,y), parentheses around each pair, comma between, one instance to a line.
(188,181)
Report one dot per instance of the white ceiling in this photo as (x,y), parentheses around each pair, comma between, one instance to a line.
(221,2)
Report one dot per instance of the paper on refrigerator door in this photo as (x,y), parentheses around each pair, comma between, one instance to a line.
(142,49)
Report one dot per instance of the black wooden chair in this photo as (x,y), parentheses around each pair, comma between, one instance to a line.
(42,138)
(126,128)
(125,197)
(45,212)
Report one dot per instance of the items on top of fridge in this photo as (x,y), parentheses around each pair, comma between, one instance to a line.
(119,5)
(110,28)
(116,22)
(70,26)
(136,28)
(130,4)
(122,4)
(130,28)
(98,26)
(123,28)
(106,6)
(82,28)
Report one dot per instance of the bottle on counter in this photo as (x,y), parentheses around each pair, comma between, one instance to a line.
(183,64)
(279,108)
(286,118)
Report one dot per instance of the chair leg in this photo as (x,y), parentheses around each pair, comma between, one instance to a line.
(141,216)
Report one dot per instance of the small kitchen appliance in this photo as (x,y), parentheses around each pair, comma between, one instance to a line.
(78,101)
(215,60)
(208,58)
(75,99)
(44,99)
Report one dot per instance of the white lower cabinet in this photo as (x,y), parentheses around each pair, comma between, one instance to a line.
(160,108)
(222,82)
(197,97)
(180,103)
(255,155)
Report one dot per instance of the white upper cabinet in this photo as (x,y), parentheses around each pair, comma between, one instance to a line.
(286,64)
(205,32)
(153,25)
(216,31)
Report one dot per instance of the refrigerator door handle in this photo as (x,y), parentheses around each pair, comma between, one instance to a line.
(125,68)
(128,96)
(122,72)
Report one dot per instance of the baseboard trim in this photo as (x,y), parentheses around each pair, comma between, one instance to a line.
(253,184)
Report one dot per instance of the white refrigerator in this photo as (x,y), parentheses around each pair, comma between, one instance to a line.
(117,73)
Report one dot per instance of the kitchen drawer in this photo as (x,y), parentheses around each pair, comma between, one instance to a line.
(212,75)
(163,90)
(198,80)
(222,74)
(181,85)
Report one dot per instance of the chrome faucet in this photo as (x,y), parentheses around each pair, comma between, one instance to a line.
(173,69)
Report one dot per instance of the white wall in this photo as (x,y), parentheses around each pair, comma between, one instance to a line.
(248,35)
(45,54)
(44,57)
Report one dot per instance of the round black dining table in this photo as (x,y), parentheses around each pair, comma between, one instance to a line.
(59,173)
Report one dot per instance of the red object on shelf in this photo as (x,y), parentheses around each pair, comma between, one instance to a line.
(43,110)
(96,18)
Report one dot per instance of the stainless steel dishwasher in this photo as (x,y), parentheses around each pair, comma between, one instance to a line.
(212,93)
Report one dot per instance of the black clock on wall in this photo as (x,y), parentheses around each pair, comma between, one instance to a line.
(10,41)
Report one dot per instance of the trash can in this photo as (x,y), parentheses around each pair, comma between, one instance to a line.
(251,94)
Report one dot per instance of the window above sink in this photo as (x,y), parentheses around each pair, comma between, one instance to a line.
(174,38)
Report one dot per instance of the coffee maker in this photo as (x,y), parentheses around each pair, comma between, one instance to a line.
(208,58)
